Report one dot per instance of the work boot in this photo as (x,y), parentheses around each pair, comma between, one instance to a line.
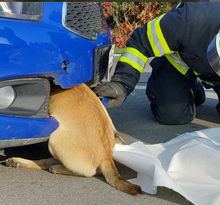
(199,93)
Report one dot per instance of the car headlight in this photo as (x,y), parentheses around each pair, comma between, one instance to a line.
(28,11)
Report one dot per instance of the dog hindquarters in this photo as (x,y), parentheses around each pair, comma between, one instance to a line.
(86,136)
(76,156)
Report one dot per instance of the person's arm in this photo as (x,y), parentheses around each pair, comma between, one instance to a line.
(156,38)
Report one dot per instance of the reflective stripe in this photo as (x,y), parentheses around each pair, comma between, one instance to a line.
(178,5)
(136,53)
(192,92)
(134,58)
(177,62)
(156,38)
(208,83)
(131,63)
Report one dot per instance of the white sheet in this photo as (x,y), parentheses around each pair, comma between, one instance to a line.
(189,164)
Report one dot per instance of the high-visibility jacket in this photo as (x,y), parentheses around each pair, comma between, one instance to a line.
(181,35)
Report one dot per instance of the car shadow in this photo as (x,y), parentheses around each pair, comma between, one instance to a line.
(32,152)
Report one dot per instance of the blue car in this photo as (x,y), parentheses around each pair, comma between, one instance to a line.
(41,44)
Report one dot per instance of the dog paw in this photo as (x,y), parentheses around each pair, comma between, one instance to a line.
(15,162)
(60,169)
(53,170)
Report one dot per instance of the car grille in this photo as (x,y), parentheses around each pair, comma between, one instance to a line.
(84,18)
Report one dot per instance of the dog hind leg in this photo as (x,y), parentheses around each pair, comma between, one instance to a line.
(60,169)
(31,164)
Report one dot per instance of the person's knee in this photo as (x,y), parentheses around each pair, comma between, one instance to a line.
(173,115)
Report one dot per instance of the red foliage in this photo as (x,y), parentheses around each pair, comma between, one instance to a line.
(124,17)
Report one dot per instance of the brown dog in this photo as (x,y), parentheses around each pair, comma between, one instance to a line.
(84,140)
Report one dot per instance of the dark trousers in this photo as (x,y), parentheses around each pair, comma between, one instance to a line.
(170,94)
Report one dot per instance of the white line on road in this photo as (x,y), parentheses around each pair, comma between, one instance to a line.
(140,87)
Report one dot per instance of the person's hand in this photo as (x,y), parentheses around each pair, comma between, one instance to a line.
(116,92)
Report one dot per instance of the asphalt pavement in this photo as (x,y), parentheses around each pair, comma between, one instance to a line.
(136,123)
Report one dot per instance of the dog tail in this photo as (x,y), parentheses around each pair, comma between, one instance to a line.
(112,176)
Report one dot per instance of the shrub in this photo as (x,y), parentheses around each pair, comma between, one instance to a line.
(124,17)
